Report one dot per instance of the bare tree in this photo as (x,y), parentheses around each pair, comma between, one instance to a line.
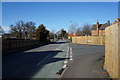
(72,28)
(30,28)
(79,30)
(86,29)
(20,28)
(17,29)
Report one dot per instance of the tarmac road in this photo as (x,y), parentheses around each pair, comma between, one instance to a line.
(46,61)
(87,62)
(41,62)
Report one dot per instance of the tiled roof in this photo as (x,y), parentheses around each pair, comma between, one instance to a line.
(116,20)
(100,27)
(79,34)
(71,35)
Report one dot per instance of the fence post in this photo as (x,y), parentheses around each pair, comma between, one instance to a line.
(101,40)
(75,39)
(93,39)
(85,39)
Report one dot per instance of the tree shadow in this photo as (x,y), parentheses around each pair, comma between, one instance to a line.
(58,42)
(27,64)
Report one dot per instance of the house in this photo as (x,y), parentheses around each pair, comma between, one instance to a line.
(70,35)
(76,34)
(79,34)
(99,29)
(116,20)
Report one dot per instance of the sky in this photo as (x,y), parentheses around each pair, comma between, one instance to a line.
(57,15)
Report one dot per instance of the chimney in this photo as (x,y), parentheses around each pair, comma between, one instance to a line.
(97,24)
(108,22)
(97,28)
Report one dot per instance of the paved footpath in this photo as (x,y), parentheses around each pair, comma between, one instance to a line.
(41,62)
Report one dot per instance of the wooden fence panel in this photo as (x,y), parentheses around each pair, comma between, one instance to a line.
(94,40)
(112,58)
(16,44)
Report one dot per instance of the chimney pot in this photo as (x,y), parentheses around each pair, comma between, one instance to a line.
(108,22)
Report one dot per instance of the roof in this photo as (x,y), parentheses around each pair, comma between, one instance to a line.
(100,27)
(79,34)
(70,35)
(116,20)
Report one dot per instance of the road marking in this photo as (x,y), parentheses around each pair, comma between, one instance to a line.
(43,60)
(66,56)
(64,66)
(71,57)
(65,62)
(68,50)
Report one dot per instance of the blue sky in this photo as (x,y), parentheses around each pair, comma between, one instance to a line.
(56,15)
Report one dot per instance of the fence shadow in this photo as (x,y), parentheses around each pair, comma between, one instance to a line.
(27,64)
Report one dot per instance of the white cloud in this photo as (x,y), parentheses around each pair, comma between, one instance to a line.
(6,29)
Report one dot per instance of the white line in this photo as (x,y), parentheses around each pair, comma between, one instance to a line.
(68,49)
(43,60)
(65,62)
(64,66)
(71,57)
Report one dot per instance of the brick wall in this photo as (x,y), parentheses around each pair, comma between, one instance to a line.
(95,32)
(101,32)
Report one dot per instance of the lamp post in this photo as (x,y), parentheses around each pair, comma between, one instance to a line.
(73,31)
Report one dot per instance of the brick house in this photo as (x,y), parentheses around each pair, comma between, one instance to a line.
(79,34)
(116,20)
(99,29)
(76,34)
(70,35)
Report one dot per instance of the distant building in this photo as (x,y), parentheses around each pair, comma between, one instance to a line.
(99,29)
(76,34)
(116,20)
(79,34)
(70,35)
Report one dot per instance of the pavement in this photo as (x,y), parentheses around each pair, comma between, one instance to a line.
(87,62)
(41,62)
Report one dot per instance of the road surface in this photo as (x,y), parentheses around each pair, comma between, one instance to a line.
(41,62)
(46,61)
(87,62)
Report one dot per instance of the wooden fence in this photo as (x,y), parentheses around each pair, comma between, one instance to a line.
(93,40)
(112,50)
(16,44)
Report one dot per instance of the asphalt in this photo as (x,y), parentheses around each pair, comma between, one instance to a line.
(41,62)
(87,62)
(46,61)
